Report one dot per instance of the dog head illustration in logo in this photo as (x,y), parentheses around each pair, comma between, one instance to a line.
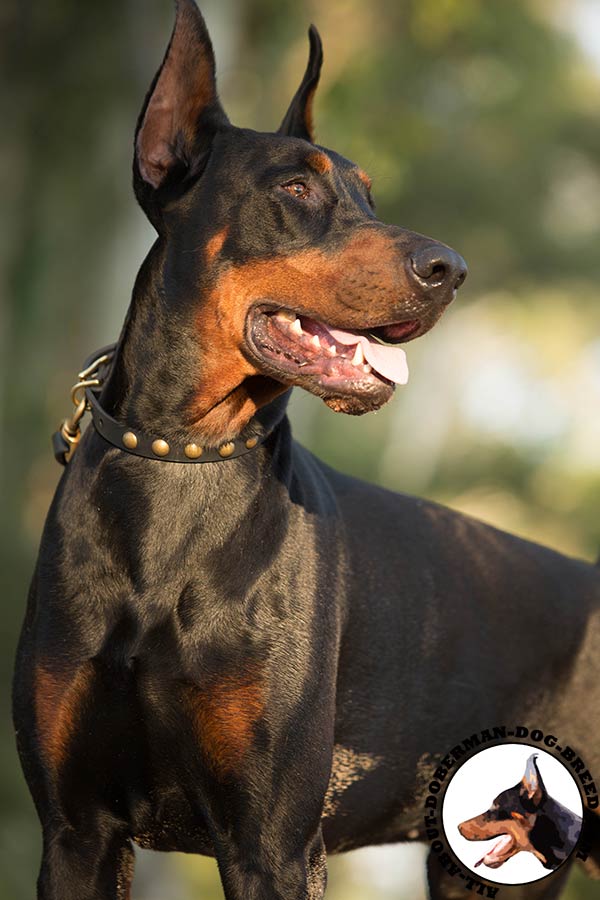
(526,818)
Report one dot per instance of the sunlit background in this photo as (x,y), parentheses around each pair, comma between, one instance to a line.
(479,121)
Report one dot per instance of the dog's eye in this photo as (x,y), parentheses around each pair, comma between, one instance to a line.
(297,189)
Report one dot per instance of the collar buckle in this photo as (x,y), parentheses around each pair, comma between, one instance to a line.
(68,435)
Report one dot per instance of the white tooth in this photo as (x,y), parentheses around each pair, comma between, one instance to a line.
(331,350)
(296,327)
(286,315)
(315,341)
(367,369)
(358,358)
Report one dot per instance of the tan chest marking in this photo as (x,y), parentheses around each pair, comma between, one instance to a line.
(59,697)
(224,715)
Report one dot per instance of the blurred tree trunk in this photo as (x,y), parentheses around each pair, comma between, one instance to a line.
(77,74)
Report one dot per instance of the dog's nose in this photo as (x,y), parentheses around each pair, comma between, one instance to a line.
(438,268)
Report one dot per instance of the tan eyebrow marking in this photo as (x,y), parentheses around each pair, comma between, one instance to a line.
(320,162)
(365,179)
(215,244)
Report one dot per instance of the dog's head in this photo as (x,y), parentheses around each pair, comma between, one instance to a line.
(512,816)
(271,246)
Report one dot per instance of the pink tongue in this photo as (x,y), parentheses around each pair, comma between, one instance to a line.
(388,361)
(492,855)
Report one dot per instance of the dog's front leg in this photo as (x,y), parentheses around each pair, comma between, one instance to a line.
(285,872)
(261,787)
(97,865)
(266,831)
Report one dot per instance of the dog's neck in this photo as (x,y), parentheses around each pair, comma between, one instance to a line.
(156,382)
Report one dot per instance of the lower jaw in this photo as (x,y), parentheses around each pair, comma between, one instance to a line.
(348,396)
(340,395)
(355,406)
(343,387)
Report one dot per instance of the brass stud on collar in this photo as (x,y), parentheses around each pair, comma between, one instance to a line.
(227,449)
(160,447)
(129,440)
(193,451)
(251,442)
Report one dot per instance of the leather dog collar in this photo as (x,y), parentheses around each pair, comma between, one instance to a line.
(85,395)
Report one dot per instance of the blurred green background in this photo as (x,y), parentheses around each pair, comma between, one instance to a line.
(479,121)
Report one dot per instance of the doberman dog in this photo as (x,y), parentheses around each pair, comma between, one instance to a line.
(528,819)
(229,648)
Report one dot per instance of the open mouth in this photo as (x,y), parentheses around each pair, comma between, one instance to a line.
(331,361)
(499,854)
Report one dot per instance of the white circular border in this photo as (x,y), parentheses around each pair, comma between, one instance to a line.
(478,782)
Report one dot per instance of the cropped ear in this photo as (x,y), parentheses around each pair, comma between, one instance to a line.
(533,791)
(181,112)
(298,120)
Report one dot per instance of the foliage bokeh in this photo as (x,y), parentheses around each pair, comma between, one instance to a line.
(479,122)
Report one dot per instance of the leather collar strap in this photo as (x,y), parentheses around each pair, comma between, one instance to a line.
(86,397)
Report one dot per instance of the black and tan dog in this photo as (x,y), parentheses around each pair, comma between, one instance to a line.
(527,819)
(244,653)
